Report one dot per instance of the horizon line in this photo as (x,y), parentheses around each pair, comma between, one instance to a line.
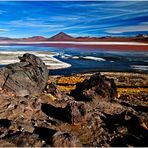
(88,36)
(77,43)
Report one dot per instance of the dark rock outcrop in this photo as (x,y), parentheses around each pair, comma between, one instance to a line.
(97,87)
(29,76)
(65,140)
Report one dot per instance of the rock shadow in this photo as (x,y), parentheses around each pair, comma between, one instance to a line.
(5,123)
(55,112)
(135,135)
(130,139)
(45,134)
(136,108)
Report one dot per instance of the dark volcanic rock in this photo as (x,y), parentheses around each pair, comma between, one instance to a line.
(61,139)
(29,76)
(97,86)
(76,112)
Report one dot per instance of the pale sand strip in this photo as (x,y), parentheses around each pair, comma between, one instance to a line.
(74,43)
(8,57)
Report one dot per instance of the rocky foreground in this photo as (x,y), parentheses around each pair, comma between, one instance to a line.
(82,110)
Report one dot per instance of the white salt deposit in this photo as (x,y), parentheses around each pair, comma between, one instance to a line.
(8,57)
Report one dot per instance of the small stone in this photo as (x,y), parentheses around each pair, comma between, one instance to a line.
(61,139)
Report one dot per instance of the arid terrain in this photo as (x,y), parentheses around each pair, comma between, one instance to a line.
(132,93)
(73,73)
(107,109)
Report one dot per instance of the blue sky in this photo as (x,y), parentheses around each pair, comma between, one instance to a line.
(116,18)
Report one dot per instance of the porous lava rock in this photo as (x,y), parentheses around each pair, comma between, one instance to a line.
(64,139)
(97,87)
(29,76)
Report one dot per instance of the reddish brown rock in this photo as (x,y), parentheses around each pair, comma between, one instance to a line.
(57,93)
(61,139)
(20,111)
(76,112)
(110,108)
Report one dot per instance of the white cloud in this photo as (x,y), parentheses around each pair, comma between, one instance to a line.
(32,23)
(4,30)
(134,28)
(81,34)
(67,18)
(144,23)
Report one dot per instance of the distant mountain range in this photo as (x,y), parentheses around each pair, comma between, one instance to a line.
(65,37)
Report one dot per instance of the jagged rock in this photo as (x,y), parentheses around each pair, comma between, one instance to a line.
(76,112)
(55,92)
(61,139)
(29,76)
(97,87)
(20,111)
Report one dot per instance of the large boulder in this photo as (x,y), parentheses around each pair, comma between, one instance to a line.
(28,77)
(98,87)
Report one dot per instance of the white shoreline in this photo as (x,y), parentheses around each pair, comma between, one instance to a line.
(75,43)
(9,57)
